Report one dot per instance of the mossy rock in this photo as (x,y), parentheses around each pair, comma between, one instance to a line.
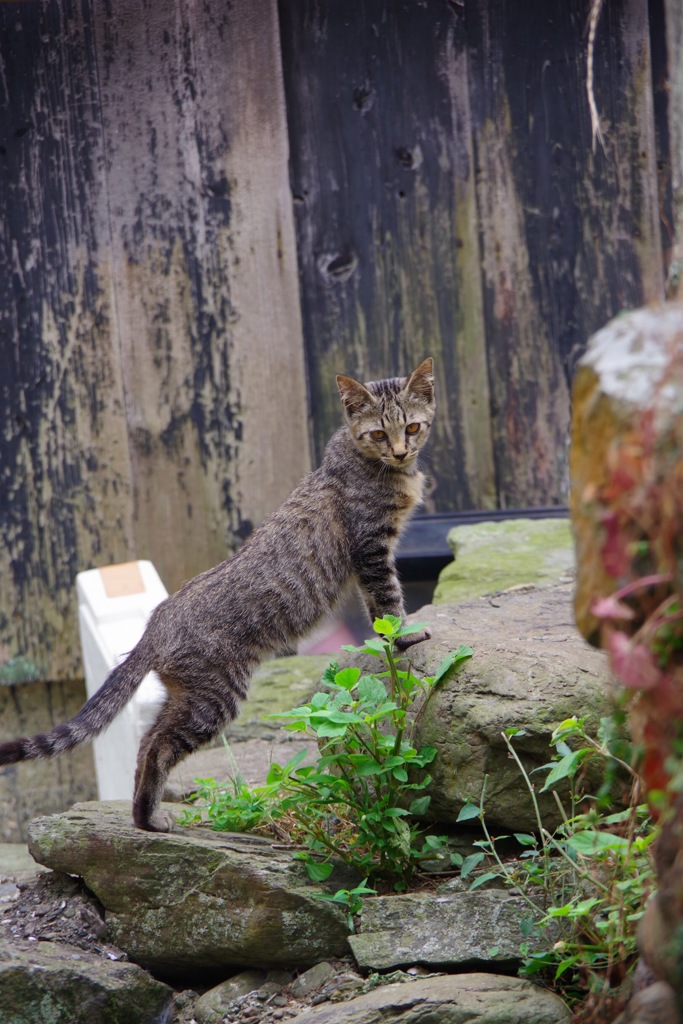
(192,901)
(531,669)
(492,557)
(58,984)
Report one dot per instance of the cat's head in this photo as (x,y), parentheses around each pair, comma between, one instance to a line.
(390,420)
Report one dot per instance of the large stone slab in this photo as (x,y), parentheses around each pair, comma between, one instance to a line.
(449,999)
(440,931)
(531,669)
(490,557)
(192,900)
(52,983)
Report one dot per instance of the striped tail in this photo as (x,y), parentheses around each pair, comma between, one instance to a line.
(95,715)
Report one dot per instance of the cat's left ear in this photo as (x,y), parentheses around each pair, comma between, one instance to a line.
(421,381)
(354,396)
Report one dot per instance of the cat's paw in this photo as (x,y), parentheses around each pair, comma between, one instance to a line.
(404,642)
(160,821)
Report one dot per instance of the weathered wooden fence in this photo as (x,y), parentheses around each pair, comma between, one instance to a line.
(206,209)
(152,375)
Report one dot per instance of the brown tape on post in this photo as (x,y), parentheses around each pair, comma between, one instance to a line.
(122,580)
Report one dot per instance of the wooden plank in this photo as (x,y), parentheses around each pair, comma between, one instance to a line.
(569,237)
(673,13)
(151,333)
(385,204)
(65,489)
(204,270)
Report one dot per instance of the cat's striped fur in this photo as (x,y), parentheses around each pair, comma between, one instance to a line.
(340,524)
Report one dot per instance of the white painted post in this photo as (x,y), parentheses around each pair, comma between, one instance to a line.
(114,604)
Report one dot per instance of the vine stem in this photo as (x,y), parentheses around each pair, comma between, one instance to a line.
(596,129)
(537,810)
(494,852)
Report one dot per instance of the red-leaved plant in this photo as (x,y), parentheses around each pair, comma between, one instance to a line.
(642,621)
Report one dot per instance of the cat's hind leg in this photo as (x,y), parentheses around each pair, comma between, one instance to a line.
(181,728)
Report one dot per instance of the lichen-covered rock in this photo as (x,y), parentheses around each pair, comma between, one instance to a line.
(626,373)
(211,1006)
(58,984)
(449,999)
(490,557)
(192,900)
(531,669)
(440,930)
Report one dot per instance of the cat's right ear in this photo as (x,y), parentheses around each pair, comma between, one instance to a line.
(355,398)
(421,381)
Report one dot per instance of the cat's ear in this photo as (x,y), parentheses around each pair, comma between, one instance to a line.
(354,396)
(421,381)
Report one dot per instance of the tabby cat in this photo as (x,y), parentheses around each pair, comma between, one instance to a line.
(340,525)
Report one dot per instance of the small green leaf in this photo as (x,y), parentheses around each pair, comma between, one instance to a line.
(564,965)
(364,765)
(470,863)
(372,689)
(488,876)
(387,626)
(419,806)
(451,662)
(468,812)
(589,842)
(525,839)
(347,678)
(565,768)
(329,729)
(416,627)
(317,871)
(329,673)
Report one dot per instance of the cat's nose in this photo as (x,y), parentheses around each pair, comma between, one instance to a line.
(400,456)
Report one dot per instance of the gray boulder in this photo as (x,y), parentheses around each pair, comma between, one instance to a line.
(440,930)
(58,984)
(192,900)
(449,999)
(531,669)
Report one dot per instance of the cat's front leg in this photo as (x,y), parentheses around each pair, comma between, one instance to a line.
(381,592)
(404,642)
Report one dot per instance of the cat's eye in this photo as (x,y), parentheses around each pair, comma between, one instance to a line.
(378,435)
(412,428)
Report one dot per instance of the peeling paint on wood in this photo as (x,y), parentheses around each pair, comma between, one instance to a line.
(385,206)
(568,237)
(152,367)
(148,299)
(447,198)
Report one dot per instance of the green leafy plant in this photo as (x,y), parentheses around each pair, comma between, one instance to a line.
(238,807)
(359,802)
(351,900)
(587,882)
